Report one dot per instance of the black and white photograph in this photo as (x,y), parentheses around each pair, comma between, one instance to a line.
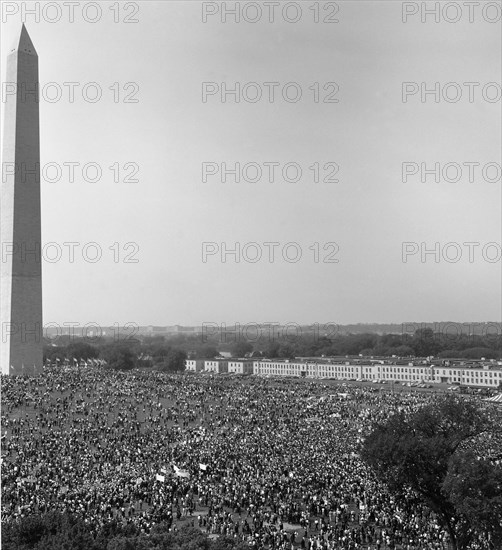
(251,275)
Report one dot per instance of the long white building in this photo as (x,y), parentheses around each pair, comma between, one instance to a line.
(488,375)
(241,367)
(218,366)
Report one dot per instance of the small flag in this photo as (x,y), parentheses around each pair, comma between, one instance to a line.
(158,477)
(203,466)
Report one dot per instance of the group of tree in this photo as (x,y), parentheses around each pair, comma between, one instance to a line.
(119,355)
(436,457)
(57,531)
(423,343)
(169,354)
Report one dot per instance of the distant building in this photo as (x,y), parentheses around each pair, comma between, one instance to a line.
(174,330)
(241,367)
(473,374)
(219,366)
(481,376)
(194,365)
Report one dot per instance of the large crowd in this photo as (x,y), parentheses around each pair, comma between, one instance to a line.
(274,463)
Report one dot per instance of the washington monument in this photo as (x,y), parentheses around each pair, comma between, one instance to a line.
(21,264)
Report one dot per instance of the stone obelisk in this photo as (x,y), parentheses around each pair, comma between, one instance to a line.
(20,226)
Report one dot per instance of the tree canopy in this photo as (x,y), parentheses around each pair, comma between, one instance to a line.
(119,356)
(57,531)
(431,452)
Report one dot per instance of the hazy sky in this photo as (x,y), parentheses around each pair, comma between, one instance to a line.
(165,57)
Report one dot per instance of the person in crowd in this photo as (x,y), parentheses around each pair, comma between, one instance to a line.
(274,463)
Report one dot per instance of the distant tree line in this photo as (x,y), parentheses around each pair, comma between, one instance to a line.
(423,343)
(169,354)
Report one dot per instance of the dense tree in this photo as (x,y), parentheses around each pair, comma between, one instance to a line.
(173,361)
(359,342)
(56,531)
(119,356)
(239,349)
(81,350)
(51,531)
(401,351)
(419,452)
(272,349)
(160,353)
(474,486)
(204,351)
(425,343)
